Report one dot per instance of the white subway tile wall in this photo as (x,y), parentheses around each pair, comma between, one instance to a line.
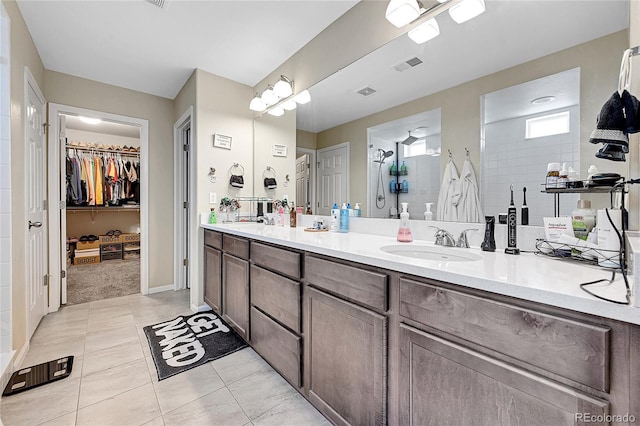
(508,158)
(5,199)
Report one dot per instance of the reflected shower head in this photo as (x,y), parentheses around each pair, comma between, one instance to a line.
(409,140)
(383,155)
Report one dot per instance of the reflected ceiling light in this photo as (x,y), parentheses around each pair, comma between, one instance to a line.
(303,97)
(257,104)
(401,12)
(466,9)
(90,120)
(425,32)
(268,96)
(276,112)
(283,88)
(543,100)
(290,105)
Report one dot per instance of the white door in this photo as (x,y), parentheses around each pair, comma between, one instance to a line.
(35,196)
(333,177)
(302,180)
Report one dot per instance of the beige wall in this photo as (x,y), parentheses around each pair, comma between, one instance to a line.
(82,93)
(270,130)
(23,53)
(306,139)
(221,107)
(186,98)
(599,61)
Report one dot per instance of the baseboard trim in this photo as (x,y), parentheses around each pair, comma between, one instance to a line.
(17,362)
(153,290)
(6,368)
(200,308)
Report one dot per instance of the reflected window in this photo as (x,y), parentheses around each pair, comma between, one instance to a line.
(548,125)
(417,148)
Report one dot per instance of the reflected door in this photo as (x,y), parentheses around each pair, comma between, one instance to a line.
(302,180)
(333,177)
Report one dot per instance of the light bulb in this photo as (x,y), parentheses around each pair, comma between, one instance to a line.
(303,97)
(425,32)
(276,112)
(466,9)
(257,104)
(401,12)
(268,96)
(283,88)
(89,120)
(289,105)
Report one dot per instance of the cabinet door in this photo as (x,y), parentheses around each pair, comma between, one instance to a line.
(235,294)
(213,278)
(443,383)
(345,360)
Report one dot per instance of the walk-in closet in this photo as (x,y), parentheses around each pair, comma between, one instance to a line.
(101,171)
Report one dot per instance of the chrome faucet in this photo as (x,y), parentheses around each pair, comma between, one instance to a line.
(463,241)
(445,239)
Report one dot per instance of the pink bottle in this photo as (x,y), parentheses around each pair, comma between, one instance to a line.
(404,232)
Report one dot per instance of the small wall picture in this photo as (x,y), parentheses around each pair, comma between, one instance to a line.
(221,141)
(279,150)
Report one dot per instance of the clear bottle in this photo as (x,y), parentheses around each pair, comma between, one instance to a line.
(428,214)
(394,168)
(403,169)
(392,186)
(293,217)
(563,179)
(357,210)
(404,231)
(334,226)
(405,186)
(553,174)
(344,218)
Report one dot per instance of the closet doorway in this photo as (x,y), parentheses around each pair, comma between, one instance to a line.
(98,172)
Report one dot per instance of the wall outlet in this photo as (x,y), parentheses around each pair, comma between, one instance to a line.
(213,198)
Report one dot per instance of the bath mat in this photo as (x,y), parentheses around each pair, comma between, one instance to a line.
(38,375)
(189,341)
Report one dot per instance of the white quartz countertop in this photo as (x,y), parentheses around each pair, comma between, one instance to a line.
(527,276)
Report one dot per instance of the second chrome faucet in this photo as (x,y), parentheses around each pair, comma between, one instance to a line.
(445,239)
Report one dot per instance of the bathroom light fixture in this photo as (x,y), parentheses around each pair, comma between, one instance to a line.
(401,12)
(89,120)
(276,112)
(466,9)
(290,105)
(283,88)
(425,32)
(303,97)
(257,104)
(268,96)
(543,100)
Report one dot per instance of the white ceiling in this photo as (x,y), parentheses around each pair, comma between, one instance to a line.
(507,34)
(104,127)
(139,46)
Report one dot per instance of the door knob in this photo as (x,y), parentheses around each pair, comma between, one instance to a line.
(35,224)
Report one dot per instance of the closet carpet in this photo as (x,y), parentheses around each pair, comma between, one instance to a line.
(104,280)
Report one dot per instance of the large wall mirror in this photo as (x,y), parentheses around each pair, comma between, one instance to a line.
(438,90)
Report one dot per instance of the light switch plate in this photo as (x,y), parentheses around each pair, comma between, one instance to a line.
(213,198)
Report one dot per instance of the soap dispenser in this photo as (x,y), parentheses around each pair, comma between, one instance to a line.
(428,214)
(404,232)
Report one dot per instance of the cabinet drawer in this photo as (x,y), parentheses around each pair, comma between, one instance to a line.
(213,239)
(238,247)
(277,296)
(359,285)
(283,261)
(562,346)
(280,347)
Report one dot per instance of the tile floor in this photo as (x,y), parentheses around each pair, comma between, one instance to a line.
(114,381)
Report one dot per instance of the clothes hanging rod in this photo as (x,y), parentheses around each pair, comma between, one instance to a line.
(109,151)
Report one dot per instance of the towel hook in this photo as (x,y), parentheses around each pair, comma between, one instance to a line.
(466,152)
(450,154)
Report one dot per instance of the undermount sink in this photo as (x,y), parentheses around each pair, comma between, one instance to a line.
(431,253)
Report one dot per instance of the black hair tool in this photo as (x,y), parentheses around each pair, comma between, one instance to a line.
(524,212)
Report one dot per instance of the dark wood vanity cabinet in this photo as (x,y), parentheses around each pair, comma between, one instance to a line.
(213,270)
(235,284)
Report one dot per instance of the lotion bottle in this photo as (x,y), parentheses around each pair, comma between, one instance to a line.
(344,218)
(335,219)
(404,232)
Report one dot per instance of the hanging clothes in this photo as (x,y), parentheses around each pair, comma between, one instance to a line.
(449,196)
(469,205)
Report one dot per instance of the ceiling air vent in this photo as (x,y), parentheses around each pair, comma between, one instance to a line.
(405,65)
(367,91)
(160,3)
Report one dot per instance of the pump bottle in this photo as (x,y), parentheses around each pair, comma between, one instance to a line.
(335,218)
(404,232)
(428,214)
(344,218)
